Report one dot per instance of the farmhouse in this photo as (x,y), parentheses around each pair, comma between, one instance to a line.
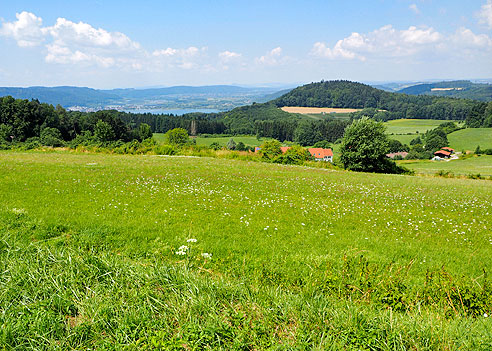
(320,154)
(446,148)
(443,153)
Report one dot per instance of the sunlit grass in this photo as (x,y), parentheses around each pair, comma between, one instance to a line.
(283,254)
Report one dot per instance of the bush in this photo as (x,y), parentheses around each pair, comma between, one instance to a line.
(177,136)
(296,155)
(165,150)
(270,149)
(215,146)
(51,137)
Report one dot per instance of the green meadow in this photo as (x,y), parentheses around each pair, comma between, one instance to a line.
(184,253)
(470,138)
(470,166)
(411,126)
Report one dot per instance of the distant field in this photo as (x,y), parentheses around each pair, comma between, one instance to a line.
(317,110)
(413,126)
(247,140)
(403,138)
(475,165)
(470,138)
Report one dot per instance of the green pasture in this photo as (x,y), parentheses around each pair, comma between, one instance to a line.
(185,253)
(474,165)
(411,126)
(470,138)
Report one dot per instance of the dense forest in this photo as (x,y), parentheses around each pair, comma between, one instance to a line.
(345,94)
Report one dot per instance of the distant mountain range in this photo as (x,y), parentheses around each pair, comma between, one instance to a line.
(464,89)
(218,97)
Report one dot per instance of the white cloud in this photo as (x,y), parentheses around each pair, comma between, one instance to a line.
(272,58)
(68,33)
(414,8)
(227,56)
(170,52)
(27,30)
(385,41)
(485,14)
(465,38)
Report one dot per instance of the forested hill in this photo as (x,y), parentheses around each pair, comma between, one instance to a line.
(346,94)
(459,89)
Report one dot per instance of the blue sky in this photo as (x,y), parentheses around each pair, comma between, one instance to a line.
(110,44)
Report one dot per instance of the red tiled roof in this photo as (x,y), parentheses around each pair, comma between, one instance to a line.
(442,152)
(447,149)
(320,153)
(284,149)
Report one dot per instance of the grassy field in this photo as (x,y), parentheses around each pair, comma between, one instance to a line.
(182,253)
(474,165)
(247,140)
(413,126)
(470,138)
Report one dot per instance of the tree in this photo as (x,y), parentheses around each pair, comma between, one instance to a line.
(51,137)
(270,149)
(324,144)
(176,136)
(144,131)
(364,147)
(103,131)
(231,144)
(296,155)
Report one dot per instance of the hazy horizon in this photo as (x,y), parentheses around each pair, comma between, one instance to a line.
(107,45)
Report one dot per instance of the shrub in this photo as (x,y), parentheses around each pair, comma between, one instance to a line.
(51,137)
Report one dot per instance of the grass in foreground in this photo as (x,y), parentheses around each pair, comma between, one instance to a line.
(301,258)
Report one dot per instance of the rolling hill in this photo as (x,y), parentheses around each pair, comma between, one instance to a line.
(459,89)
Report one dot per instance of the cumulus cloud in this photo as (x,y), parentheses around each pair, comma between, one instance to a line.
(27,30)
(272,58)
(414,8)
(68,33)
(227,56)
(68,42)
(385,41)
(485,14)
(465,38)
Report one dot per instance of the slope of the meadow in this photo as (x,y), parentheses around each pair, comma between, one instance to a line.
(96,252)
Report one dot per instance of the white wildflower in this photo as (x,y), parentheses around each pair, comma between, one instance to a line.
(191,241)
(183,248)
(485,315)
(206,255)
(181,253)
(18,211)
